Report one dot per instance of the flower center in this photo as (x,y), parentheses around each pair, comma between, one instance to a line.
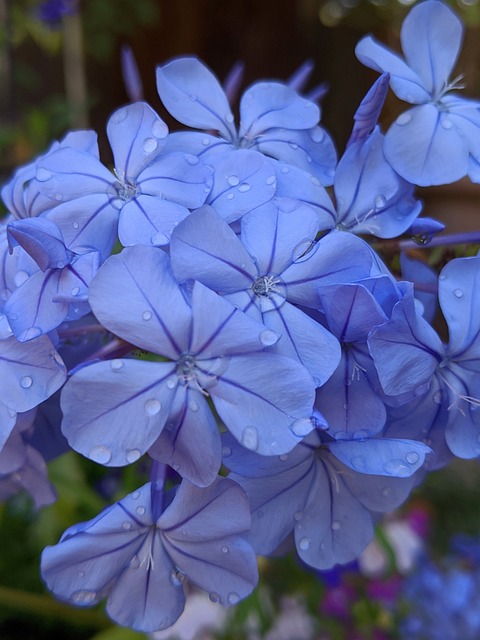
(186,369)
(265,285)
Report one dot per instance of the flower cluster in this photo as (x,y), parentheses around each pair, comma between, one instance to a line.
(214,302)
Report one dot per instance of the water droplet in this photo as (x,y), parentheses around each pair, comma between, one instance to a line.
(397,468)
(293,145)
(119,116)
(152,407)
(205,142)
(229,118)
(226,452)
(126,525)
(233,597)
(230,196)
(317,135)
(60,264)
(133,455)
(26,382)
(116,364)
(403,118)
(268,338)
(159,129)
(271,180)
(380,202)
(100,454)
(285,169)
(225,549)
(75,291)
(191,160)
(283,457)
(147,315)
(233,181)
(149,145)
(193,405)
(244,187)
(42,175)
(136,495)
(304,544)
(438,397)
(214,597)
(75,225)
(58,197)
(358,463)
(172,383)
(336,524)
(298,515)
(458,293)
(81,574)
(412,457)
(441,276)
(20,277)
(140,511)
(250,438)
(302,427)
(385,491)
(446,123)
(83,597)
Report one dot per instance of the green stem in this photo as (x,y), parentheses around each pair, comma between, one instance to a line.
(46,607)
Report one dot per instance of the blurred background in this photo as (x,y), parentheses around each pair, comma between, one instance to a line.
(60,68)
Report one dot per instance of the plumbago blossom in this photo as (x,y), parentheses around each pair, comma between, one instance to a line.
(214,306)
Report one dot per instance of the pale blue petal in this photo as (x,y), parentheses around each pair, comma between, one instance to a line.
(425,149)
(123,393)
(431,38)
(381,456)
(277,233)
(205,248)
(142,276)
(149,220)
(406,84)
(266,105)
(194,96)
(244,179)
(136,134)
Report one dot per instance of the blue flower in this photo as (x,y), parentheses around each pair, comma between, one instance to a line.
(209,348)
(138,554)
(436,142)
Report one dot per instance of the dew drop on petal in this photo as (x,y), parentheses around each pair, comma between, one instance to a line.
(458,293)
(229,118)
(226,452)
(271,180)
(297,515)
(233,181)
(397,468)
(380,202)
(119,116)
(140,511)
(441,276)
(126,525)
(26,382)
(403,118)
(225,549)
(412,457)
(81,574)
(230,196)
(133,455)
(171,383)
(233,597)
(285,169)
(83,597)
(159,129)
(20,277)
(283,457)
(336,524)
(135,495)
(75,291)
(304,544)
(446,123)
(149,145)
(100,454)
(214,597)
(191,160)
(250,438)
(152,407)
(116,364)
(244,187)
(193,406)
(268,338)
(147,315)
(42,175)
(438,397)
(205,142)
(75,225)
(385,491)
(301,427)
